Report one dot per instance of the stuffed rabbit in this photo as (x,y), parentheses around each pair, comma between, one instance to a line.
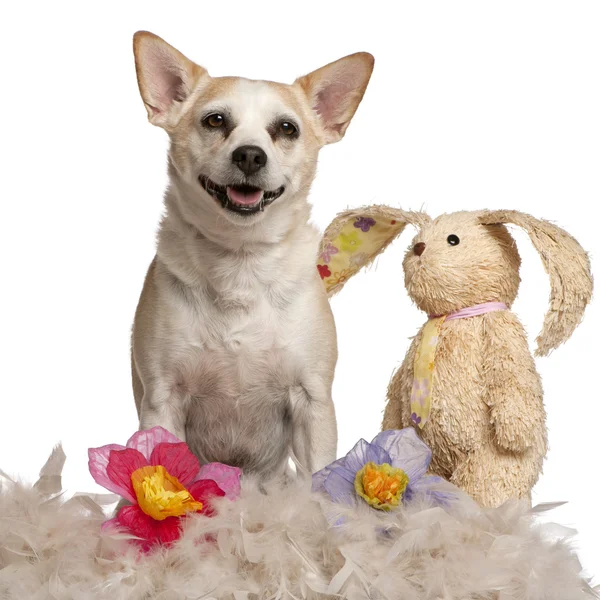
(468,383)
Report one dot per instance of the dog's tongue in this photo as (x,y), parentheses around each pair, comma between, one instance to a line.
(244,198)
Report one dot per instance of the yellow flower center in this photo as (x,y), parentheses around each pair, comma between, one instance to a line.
(160,495)
(381,486)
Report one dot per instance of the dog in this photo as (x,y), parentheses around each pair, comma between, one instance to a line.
(234,344)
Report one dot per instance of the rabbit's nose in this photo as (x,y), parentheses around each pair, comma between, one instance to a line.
(419,248)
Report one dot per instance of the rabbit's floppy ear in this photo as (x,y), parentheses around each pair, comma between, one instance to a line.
(355,238)
(568,266)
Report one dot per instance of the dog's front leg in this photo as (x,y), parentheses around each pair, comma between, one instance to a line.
(164,407)
(159,407)
(314,430)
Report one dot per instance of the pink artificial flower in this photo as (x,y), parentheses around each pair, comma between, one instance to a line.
(163,480)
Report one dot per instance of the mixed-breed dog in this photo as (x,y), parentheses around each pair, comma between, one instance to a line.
(234,344)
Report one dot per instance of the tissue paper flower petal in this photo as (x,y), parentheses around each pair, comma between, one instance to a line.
(362,453)
(98,463)
(177,459)
(145,441)
(407,451)
(206,490)
(133,519)
(121,464)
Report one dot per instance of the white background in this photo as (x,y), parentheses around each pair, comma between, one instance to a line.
(472,105)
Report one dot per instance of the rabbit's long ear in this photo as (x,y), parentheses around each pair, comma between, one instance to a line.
(355,238)
(568,266)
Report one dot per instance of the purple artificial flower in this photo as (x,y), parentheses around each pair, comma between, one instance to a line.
(388,471)
(364,224)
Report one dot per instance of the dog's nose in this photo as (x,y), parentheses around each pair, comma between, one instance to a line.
(419,248)
(249,159)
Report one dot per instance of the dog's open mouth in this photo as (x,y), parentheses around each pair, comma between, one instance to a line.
(240,198)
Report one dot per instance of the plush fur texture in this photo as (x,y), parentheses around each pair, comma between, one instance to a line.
(279,545)
(487,426)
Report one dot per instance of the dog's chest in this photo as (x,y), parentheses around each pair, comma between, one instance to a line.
(227,351)
(242,334)
(244,315)
(237,372)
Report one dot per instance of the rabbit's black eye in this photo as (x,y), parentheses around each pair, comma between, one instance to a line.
(453,240)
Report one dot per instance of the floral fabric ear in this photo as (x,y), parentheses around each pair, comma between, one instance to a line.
(351,242)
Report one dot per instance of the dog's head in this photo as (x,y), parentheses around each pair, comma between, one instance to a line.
(240,148)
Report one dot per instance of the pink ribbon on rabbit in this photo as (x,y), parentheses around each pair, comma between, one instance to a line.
(420,398)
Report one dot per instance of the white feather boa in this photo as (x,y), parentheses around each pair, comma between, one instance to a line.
(279,546)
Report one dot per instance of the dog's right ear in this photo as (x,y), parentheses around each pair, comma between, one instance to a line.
(165,77)
(356,237)
(335,91)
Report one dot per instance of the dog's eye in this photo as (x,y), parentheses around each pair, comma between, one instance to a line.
(215,120)
(287,128)
(453,240)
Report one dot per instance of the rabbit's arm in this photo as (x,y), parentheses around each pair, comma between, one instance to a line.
(397,409)
(512,386)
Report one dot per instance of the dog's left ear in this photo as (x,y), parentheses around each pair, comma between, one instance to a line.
(335,91)
(165,77)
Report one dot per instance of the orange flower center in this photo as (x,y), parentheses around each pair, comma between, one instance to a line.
(160,495)
(382,486)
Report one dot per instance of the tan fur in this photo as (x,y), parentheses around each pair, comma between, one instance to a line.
(561,254)
(487,425)
(234,345)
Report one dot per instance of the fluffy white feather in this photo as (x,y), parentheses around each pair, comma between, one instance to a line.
(279,546)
